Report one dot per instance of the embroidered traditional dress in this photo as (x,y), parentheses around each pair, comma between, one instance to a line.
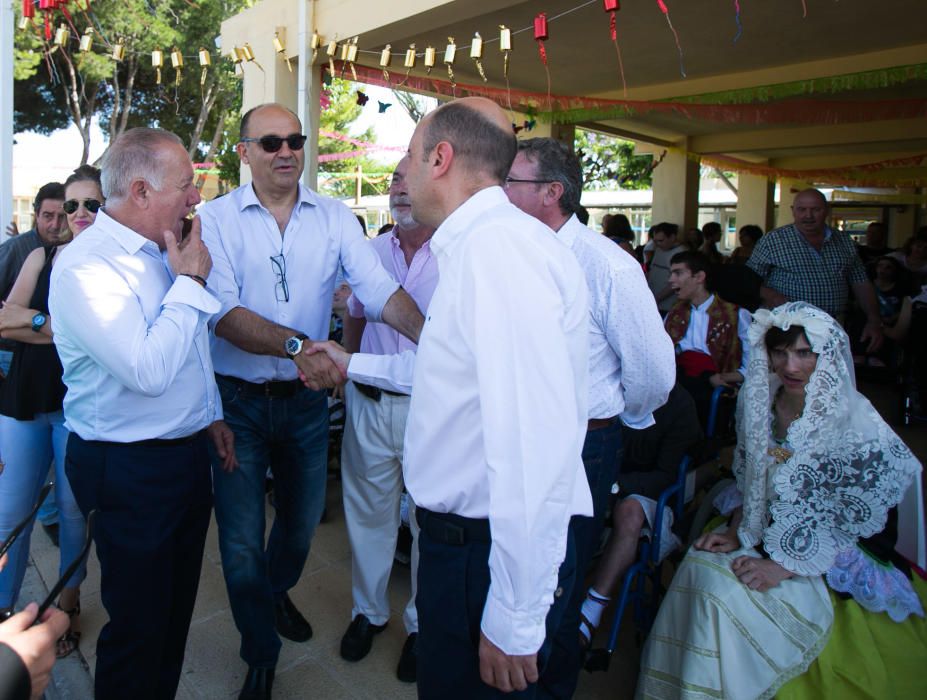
(722,339)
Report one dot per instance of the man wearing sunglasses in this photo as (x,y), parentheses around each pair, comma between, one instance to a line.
(277,247)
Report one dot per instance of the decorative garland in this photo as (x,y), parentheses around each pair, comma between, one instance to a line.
(572,108)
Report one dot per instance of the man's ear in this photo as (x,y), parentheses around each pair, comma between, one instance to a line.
(138,193)
(701,277)
(553,194)
(242,150)
(441,158)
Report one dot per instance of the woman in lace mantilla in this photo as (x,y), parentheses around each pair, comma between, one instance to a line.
(818,473)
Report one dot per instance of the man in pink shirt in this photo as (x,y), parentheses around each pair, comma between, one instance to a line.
(371,456)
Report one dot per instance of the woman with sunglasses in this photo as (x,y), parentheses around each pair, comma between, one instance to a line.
(31,417)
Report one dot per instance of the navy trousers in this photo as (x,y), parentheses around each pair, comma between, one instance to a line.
(602,452)
(153,505)
(453,582)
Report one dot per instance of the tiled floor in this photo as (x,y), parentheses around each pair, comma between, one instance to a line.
(213,668)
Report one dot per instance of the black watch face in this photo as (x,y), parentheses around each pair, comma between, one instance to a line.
(293,346)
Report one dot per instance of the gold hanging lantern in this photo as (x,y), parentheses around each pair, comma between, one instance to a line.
(386,55)
(119,51)
(280,48)
(62,35)
(314,44)
(24,23)
(450,53)
(86,40)
(205,62)
(330,51)
(248,53)
(352,57)
(429,59)
(157,62)
(476,53)
(505,46)
(177,64)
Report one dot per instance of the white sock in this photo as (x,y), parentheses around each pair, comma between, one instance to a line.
(591,612)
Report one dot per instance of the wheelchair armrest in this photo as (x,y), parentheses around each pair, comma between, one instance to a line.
(716,396)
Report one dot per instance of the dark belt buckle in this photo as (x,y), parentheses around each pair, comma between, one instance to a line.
(453,534)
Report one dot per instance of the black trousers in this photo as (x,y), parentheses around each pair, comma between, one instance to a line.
(153,506)
(453,582)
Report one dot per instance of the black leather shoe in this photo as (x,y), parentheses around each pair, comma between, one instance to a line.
(290,622)
(408,660)
(258,684)
(356,642)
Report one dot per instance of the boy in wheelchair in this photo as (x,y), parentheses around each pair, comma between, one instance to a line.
(650,463)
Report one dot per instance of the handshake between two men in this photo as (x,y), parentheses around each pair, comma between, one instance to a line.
(322,364)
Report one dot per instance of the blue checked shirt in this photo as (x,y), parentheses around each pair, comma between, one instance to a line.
(789,264)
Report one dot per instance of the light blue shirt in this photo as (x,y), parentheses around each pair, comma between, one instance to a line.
(132,339)
(321,236)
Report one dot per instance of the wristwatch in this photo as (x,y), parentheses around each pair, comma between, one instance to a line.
(38,321)
(293,346)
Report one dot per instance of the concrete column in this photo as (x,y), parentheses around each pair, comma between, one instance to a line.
(788,188)
(675,190)
(755,199)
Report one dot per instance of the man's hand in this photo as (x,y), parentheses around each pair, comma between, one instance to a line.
(507,673)
(12,229)
(729,380)
(759,574)
(35,645)
(13,316)
(718,542)
(224,441)
(337,354)
(873,334)
(316,369)
(190,256)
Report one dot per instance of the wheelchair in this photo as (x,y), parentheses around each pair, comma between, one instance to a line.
(642,584)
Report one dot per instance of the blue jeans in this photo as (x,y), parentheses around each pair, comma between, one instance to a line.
(602,453)
(28,448)
(291,436)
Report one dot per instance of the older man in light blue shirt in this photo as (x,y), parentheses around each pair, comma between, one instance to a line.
(277,248)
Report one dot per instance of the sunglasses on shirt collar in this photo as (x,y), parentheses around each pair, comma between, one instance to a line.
(91,205)
(272,144)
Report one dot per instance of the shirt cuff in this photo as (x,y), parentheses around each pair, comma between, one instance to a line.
(390,372)
(515,633)
(187,291)
(637,422)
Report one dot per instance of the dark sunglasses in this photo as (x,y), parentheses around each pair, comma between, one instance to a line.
(91,205)
(272,144)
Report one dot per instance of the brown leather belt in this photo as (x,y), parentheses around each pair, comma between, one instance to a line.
(599,423)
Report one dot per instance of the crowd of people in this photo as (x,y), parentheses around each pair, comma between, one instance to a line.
(513,380)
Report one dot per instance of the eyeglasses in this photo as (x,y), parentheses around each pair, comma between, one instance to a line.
(510,180)
(91,205)
(281,290)
(272,144)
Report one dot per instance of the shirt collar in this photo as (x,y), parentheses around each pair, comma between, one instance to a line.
(705,304)
(249,197)
(569,231)
(131,241)
(465,216)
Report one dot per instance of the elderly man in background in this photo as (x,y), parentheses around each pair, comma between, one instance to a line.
(277,248)
(372,448)
(631,362)
(130,328)
(809,261)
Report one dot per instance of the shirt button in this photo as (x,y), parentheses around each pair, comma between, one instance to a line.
(558,592)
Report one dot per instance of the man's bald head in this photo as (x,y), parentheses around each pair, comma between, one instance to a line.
(809,209)
(479,133)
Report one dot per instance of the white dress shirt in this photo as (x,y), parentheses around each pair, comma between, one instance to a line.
(498,415)
(696,337)
(321,236)
(632,367)
(132,339)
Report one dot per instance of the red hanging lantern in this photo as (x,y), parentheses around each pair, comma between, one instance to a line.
(612,5)
(28,9)
(540,36)
(46,4)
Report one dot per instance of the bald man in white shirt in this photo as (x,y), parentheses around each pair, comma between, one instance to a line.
(497,418)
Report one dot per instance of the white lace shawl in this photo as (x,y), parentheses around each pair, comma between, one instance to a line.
(848,467)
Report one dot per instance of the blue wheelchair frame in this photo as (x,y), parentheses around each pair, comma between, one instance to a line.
(641,584)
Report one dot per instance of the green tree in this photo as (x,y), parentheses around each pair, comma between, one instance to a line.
(337,117)
(609,163)
(123,94)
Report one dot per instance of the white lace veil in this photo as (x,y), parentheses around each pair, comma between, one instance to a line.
(847,468)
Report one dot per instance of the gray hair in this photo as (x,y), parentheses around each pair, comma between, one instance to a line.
(556,162)
(134,155)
